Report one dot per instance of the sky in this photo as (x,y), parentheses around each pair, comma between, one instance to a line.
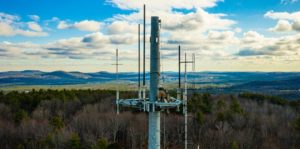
(82,35)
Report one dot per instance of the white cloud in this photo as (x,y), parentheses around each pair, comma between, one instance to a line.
(123,39)
(88,25)
(283,15)
(9,30)
(8,18)
(188,29)
(287,21)
(52,20)
(194,28)
(96,39)
(85,25)
(6,29)
(252,36)
(11,25)
(91,46)
(16,50)
(237,30)
(281,47)
(194,20)
(162,5)
(35,18)
(6,21)
(296,25)
(120,27)
(199,20)
(34,26)
(30,33)
(285,2)
(282,26)
(62,25)
(213,37)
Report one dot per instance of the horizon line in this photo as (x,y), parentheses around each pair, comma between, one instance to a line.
(205,71)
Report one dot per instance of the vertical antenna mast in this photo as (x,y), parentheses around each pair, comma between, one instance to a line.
(144,48)
(179,76)
(144,59)
(139,53)
(185,104)
(117,79)
(139,63)
(179,69)
(185,112)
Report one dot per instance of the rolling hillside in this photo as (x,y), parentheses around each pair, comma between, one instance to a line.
(275,83)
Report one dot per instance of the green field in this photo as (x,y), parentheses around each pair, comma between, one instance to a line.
(102,86)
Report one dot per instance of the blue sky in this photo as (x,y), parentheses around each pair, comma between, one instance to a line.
(250,13)
(228,35)
(66,9)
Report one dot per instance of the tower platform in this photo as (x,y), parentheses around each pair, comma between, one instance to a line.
(148,105)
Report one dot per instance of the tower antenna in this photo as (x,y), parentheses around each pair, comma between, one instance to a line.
(144,59)
(179,68)
(117,80)
(185,112)
(144,48)
(179,76)
(185,103)
(156,102)
(139,63)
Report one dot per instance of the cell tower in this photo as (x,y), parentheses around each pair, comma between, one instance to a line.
(154,105)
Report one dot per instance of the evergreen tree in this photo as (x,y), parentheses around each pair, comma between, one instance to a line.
(297,124)
(57,122)
(207,104)
(20,115)
(74,142)
(221,105)
(200,118)
(234,145)
(101,143)
(235,107)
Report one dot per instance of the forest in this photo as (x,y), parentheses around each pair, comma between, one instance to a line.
(87,119)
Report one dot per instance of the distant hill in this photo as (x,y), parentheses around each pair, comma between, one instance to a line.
(289,84)
(287,88)
(52,78)
(285,84)
(35,77)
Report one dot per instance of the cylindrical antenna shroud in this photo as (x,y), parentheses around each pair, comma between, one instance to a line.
(154,116)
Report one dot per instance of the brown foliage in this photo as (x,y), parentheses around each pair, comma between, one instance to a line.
(215,122)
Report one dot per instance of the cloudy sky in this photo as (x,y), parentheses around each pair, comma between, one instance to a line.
(82,35)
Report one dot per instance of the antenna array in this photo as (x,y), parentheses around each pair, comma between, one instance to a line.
(154,105)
